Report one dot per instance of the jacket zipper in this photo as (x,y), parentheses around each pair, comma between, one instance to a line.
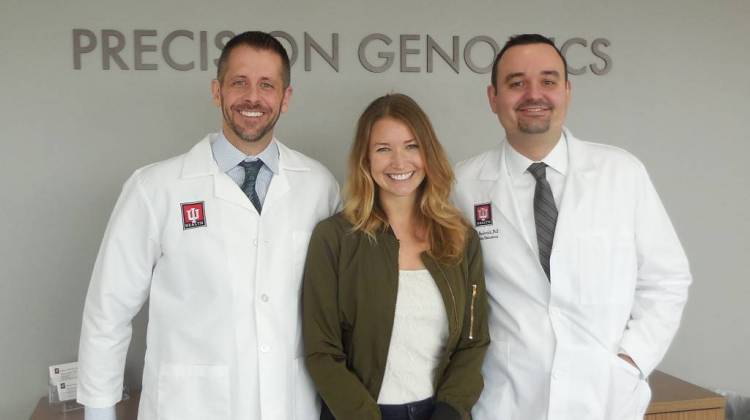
(471,317)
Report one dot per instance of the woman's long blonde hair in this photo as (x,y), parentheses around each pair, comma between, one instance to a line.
(446,228)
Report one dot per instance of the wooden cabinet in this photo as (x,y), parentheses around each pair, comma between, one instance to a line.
(672,399)
(126,410)
(675,399)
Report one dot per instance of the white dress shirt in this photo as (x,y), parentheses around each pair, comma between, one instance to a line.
(524,184)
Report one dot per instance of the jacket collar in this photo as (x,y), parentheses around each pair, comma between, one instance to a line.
(199,162)
(291,160)
(578,160)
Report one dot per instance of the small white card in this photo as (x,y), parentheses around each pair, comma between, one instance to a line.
(65,378)
(67,390)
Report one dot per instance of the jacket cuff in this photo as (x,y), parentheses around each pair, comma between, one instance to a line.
(444,411)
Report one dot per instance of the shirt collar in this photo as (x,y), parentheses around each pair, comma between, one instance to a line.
(557,158)
(227,156)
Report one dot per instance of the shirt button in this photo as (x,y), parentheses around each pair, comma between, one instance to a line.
(255,241)
(264,348)
(264,297)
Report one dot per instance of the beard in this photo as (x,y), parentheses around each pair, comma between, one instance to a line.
(535,125)
(246,135)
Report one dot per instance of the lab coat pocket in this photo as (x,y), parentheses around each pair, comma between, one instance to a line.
(193,392)
(606,268)
(625,374)
(627,391)
(306,401)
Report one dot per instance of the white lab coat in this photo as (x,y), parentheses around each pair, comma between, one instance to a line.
(619,284)
(224,334)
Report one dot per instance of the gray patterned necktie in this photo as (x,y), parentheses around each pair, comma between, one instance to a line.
(251,174)
(545,214)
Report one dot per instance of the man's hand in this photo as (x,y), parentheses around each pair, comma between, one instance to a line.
(628,359)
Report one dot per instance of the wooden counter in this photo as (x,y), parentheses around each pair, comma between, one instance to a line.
(126,410)
(675,399)
(672,399)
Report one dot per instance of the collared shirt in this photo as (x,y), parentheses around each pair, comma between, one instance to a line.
(228,158)
(523,183)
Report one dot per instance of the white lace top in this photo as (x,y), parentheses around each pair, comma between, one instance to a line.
(420,331)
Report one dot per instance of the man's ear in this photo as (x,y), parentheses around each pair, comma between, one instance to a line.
(491,96)
(216,92)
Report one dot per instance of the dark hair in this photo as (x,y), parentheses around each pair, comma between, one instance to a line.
(258,40)
(525,39)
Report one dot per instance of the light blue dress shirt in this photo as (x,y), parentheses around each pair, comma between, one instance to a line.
(228,157)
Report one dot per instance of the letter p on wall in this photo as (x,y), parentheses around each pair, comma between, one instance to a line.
(79,47)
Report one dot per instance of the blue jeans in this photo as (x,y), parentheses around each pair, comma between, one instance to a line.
(418,410)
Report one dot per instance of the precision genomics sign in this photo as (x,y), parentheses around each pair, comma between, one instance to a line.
(150,49)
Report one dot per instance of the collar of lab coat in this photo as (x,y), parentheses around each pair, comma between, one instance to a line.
(578,162)
(199,161)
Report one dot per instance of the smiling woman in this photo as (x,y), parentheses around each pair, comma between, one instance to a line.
(394,300)
(394,132)
(396,162)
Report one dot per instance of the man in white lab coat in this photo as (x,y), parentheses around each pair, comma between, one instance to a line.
(215,239)
(586,277)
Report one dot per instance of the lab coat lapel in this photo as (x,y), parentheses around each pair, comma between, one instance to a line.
(577,187)
(502,197)
(200,162)
(289,163)
(512,244)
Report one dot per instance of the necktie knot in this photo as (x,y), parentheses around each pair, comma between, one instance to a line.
(538,170)
(252,168)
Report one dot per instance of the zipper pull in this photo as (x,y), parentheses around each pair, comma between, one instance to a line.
(471,309)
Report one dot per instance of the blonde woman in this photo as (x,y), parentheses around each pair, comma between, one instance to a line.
(394,301)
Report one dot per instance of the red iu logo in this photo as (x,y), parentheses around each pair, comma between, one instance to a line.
(193,215)
(483,214)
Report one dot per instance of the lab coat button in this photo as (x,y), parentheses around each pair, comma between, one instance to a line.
(264,348)
(264,297)
(255,241)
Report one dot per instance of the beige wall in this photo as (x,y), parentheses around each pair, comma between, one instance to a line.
(676,97)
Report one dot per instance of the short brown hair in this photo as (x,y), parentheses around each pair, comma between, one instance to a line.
(258,40)
(526,39)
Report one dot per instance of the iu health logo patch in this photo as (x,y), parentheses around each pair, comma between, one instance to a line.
(482,214)
(193,215)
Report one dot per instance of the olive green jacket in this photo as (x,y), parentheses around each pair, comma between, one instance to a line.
(349,300)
